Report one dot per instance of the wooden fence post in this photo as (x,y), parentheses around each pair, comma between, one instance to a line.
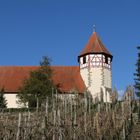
(19,123)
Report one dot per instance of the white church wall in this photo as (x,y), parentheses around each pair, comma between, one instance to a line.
(107,78)
(96,80)
(11,100)
(93,80)
(83,73)
(96,74)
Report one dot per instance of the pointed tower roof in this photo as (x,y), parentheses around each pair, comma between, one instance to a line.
(94,45)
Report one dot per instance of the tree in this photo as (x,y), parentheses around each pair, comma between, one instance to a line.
(3,102)
(137,78)
(38,86)
(137,74)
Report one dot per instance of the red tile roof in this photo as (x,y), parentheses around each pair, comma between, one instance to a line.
(94,45)
(68,78)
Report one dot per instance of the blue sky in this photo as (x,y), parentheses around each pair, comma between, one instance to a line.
(30,29)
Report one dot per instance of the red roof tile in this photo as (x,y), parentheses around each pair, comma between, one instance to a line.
(68,78)
(94,45)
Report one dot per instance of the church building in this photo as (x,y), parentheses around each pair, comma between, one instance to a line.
(94,74)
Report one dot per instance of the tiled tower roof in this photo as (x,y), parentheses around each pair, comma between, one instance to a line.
(94,45)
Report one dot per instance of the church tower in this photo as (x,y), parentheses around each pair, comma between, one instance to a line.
(95,68)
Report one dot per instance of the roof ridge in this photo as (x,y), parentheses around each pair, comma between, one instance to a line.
(98,41)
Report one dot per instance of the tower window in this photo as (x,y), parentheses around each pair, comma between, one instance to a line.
(106,60)
(84,59)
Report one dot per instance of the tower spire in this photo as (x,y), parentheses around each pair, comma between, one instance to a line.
(94,28)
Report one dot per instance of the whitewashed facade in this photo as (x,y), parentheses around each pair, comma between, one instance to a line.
(11,100)
(96,73)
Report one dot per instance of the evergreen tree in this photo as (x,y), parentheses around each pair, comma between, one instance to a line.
(38,86)
(137,74)
(137,79)
(3,102)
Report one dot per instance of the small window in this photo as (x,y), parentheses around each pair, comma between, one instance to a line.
(84,59)
(106,60)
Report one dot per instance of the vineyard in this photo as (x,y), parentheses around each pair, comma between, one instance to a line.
(70,119)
